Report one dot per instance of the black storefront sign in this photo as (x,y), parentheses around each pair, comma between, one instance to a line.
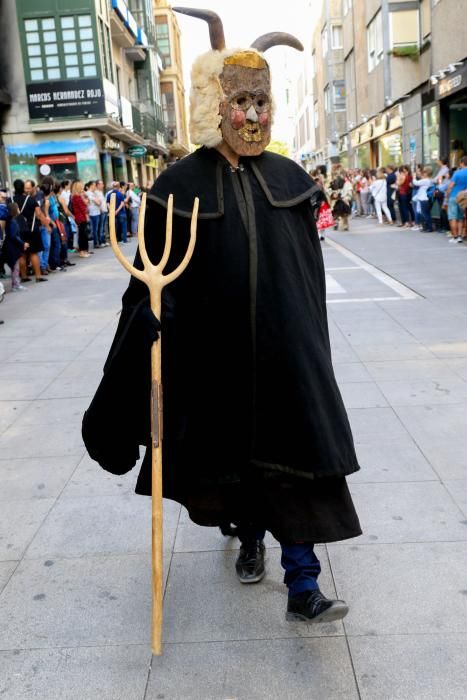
(452,83)
(66,98)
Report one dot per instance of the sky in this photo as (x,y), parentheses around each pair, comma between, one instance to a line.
(244,21)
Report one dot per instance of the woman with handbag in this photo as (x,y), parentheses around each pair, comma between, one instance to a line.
(80,212)
(379,192)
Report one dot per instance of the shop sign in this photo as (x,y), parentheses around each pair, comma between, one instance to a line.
(449,85)
(137,151)
(111,145)
(58,159)
(65,98)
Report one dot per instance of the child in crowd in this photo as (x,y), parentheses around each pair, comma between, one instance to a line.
(13,247)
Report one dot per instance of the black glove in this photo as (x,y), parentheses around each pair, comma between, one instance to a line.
(146,322)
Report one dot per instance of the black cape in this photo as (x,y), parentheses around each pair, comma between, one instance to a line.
(254,424)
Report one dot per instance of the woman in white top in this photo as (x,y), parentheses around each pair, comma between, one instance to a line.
(94,210)
(380,196)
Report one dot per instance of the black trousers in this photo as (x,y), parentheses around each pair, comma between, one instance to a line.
(83,243)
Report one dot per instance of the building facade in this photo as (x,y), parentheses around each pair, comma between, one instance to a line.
(172,85)
(84,87)
(327,72)
(406,84)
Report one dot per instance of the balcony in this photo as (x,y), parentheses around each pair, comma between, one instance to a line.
(125,31)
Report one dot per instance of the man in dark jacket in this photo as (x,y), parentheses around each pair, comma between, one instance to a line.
(255,432)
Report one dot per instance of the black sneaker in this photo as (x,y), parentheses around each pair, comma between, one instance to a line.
(250,562)
(313,606)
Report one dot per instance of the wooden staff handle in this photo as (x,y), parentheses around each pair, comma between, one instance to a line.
(152,275)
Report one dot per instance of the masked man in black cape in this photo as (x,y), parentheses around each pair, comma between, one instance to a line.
(255,431)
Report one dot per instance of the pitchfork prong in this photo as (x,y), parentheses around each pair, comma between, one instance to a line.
(141,239)
(168,233)
(178,270)
(140,274)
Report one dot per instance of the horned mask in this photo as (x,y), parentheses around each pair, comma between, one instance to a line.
(230,96)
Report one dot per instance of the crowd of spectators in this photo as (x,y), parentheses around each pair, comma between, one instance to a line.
(43,227)
(425,200)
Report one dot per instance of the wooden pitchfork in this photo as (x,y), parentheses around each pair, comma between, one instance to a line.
(152,275)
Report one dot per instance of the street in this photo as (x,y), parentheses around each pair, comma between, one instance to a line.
(75,541)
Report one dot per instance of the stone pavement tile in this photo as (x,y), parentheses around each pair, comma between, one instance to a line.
(375,425)
(54,412)
(458,490)
(424,392)
(351,372)
(392,352)
(383,336)
(89,479)
(444,350)
(342,352)
(401,370)
(401,461)
(27,327)
(420,511)
(34,478)
(194,538)
(79,379)
(9,412)
(9,347)
(38,441)
(204,600)
(88,673)
(78,527)
(402,588)
(440,433)
(419,667)
(459,366)
(19,381)
(19,522)
(289,669)
(77,602)
(362,395)
(6,569)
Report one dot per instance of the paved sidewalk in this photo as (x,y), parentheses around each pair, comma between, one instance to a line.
(75,542)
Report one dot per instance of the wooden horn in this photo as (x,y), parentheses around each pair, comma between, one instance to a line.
(265,41)
(216,30)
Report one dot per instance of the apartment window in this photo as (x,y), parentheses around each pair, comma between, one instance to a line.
(78,46)
(346,7)
(42,49)
(163,41)
(104,36)
(168,110)
(336,36)
(338,97)
(60,48)
(375,41)
(316,115)
(327,103)
(404,28)
(324,42)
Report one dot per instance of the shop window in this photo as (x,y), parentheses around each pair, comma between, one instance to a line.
(404,29)
(324,42)
(390,149)
(336,36)
(430,122)
(375,41)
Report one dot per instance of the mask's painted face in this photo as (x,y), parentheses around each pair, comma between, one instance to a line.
(246,108)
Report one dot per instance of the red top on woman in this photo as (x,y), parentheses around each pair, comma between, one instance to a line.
(404,187)
(80,209)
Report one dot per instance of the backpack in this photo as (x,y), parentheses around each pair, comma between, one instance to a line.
(430,192)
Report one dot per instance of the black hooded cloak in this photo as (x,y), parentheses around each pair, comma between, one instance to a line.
(254,425)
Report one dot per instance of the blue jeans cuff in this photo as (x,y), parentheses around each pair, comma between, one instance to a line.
(310,584)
